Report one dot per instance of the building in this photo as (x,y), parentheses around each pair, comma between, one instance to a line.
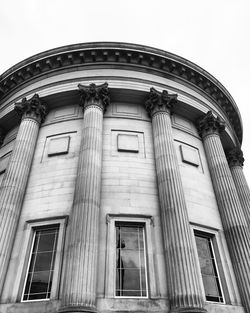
(122,187)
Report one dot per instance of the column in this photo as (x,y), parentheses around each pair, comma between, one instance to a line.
(236,160)
(232,217)
(79,288)
(16,176)
(182,271)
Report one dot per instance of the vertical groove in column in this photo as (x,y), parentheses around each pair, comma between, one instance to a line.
(243,190)
(13,187)
(80,274)
(184,288)
(233,219)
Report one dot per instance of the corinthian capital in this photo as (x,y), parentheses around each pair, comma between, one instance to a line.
(34,108)
(94,95)
(235,157)
(209,124)
(160,101)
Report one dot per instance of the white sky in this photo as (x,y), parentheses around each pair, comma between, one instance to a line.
(214,34)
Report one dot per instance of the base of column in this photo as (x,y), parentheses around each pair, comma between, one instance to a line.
(188,310)
(77,309)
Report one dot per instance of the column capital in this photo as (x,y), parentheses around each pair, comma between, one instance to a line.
(94,95)
(235,157)
(158,102)
(209,124)
(34,108)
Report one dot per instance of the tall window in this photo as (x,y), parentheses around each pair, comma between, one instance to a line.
(208,267)
(131,275)
(41,264)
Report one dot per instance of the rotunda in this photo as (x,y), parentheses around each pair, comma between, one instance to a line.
(121,185)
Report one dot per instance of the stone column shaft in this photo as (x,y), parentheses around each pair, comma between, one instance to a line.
(236,160)
(79,290)
(232,217)
(182,271)
(15,179)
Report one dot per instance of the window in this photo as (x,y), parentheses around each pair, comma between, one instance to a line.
(130,270)
(39,268)
(208,267)
(131,276)
(41,265)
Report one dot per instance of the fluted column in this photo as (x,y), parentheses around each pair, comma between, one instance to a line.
(15,178)
(235,161)
(182,271)
(79,289)
(232,217)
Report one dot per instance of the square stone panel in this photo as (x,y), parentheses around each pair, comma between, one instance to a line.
(127,143)
(58,146)
(189,155)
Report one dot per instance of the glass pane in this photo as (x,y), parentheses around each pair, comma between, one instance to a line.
(39,279)
(38,296)
(210,285)
(130,240)
(203,247)
(131,293)
(130,257)
(46,242)
(43,261)
(208,269)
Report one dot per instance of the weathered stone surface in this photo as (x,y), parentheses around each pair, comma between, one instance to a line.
(16,176)
(184,289)
(232,216)
(235,160)
(79,288)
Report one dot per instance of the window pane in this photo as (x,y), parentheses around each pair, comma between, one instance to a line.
(210,285)
(39,278)
(130,262)
(208,268)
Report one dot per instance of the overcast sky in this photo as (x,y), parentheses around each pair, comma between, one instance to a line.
(213,34)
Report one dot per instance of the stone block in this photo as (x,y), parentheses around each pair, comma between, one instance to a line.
(189,155)
(127,143)
(58,146)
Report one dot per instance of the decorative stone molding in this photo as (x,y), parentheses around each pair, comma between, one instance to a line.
(94,95)
(34,108)
(102,54)
(235,157)
(158,102)
(209,124)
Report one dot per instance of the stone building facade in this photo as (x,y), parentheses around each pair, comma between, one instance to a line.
(122,187)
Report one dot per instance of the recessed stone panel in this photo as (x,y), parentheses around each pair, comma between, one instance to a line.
(66,112)
(129,143)
(58,146)
(126,109)
(189,155)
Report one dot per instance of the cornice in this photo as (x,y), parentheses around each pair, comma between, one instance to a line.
(117,55)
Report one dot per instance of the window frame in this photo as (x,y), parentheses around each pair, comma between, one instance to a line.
(146,222)
(212,235)
(30,230)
